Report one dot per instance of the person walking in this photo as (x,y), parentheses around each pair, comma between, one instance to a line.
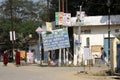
(103,57)
(17,57)
(5,58)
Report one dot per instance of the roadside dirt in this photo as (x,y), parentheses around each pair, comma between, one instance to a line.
(96,75)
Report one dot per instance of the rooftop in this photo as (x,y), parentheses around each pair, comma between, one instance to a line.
(98,20)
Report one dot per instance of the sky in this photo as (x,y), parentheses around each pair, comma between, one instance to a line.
(1,0)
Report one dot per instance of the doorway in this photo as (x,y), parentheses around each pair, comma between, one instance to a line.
(106,46)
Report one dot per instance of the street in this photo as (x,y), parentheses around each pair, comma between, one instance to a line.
(35,72)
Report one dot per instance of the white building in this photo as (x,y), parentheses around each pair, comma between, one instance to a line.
(94,33)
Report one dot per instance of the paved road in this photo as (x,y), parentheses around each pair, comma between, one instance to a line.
(35,72)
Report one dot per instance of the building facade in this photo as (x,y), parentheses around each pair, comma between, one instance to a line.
(94,34)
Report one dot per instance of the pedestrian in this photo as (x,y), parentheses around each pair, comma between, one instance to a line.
(5,58)
(103,57)
(17,57)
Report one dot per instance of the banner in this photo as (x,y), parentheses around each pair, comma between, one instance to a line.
(48,26)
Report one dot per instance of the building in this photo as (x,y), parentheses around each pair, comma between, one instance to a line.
(94,34)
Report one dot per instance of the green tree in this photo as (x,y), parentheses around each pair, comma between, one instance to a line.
(99,7)
(91,7)
(27,16)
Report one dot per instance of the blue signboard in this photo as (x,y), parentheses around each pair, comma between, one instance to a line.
(56,39)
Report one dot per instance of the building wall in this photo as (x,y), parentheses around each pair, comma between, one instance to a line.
(96,35)
(113,56)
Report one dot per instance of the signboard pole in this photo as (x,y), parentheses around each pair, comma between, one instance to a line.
(67,52)
(59,63)
(40,49)
(39,30)
(67,56)
(64,55)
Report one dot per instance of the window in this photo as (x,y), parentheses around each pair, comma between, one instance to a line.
(117,30)
(87,41)
(87,31)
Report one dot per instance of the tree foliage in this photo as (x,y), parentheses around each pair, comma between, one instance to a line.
(26,17)
(94,7)
(100,7)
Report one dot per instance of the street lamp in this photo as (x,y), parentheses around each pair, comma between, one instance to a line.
(108,5)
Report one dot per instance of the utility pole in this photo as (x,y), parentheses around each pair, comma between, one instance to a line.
(48,16)
(59,6)
(67,51)
(59,61)
(79,28)
(66,6)
(48,11)
(11,14)
(79,24)
(108,4)
(64,48)
(62,5)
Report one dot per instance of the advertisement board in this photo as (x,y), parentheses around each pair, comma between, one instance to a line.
(29,57)
(62,18)
(66,19)
(56,39)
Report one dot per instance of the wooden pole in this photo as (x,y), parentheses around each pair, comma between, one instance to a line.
(62,5)
(59,6)
(66,6)
(48,16)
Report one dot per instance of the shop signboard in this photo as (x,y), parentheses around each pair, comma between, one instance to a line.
(66,19)
(55,40)
(59,18)
(29,57)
